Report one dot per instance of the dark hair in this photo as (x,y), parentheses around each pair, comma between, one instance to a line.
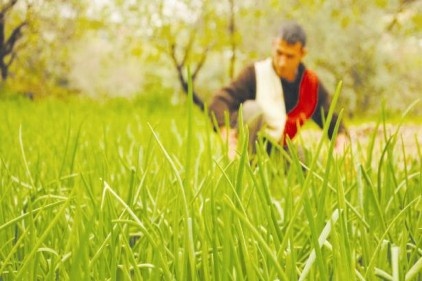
(292,32)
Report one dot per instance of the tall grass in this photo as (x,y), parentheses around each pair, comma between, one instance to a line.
(113,191)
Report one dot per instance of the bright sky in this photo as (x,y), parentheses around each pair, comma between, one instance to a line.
(172,8)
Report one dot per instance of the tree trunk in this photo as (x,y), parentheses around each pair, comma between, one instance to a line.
(3,67)
(7,45)
(232,34)
(4,71)
(181,65)
(196,99)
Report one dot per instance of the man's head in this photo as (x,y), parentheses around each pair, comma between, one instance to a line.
(288,50)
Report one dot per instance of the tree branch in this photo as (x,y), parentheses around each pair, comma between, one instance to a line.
(14,37)
(2,27)
(188,47)
(232,34)
(183,81)
(395,20)
(8,45)
(7,7)
(200,63)
(177,64)
(179,67)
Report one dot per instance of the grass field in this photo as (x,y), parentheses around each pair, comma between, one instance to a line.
(130,191)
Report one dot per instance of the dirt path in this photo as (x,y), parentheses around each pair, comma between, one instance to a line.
(409,137)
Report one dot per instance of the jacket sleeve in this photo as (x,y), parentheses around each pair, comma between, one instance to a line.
(321,112)
(229,98)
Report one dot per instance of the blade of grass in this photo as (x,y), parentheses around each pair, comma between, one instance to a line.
(321,240)
(25,162)
(414,270)
(264,246)
(307,181)
(29,257)
(371,264)
(146,231)
(395,254)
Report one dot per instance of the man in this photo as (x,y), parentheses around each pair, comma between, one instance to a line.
(279,91)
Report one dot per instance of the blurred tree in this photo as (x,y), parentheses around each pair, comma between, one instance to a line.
(232,34)
(373,47)
(359,42)
(8,42)
(43,65)
(185,34)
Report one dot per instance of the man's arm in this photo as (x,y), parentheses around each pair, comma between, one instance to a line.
(229,98)
(320,115)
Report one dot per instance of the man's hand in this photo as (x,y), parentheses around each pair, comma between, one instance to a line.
(342,141)
(229,135)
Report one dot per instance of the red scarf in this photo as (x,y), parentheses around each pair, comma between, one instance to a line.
(305,107)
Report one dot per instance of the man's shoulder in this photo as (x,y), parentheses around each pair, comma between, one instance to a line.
(307,71)
(247,71)
(310,75)
(249,67)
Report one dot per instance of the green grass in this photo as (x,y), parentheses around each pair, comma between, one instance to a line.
(128,191)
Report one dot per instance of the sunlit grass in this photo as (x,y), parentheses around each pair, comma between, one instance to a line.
(116,191)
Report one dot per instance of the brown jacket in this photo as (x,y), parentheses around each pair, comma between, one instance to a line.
(243,88)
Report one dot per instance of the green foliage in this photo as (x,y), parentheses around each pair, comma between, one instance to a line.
(363,44)
(373,47)
(142,191)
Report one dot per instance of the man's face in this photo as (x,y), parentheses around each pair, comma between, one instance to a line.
(286,58)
